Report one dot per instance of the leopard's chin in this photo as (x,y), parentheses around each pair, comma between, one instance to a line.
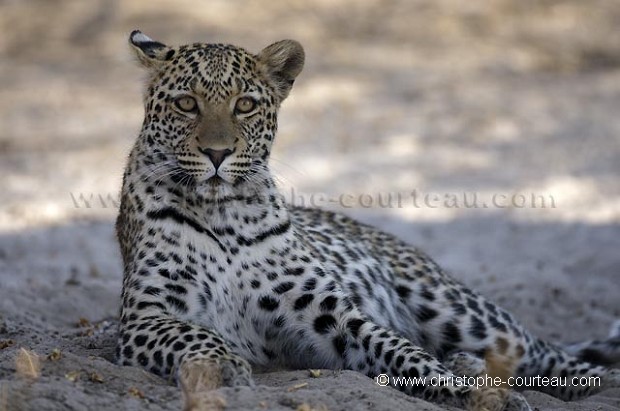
(215,181)
(214,188)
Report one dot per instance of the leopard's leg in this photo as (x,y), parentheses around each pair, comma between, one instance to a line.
(374,351)
(341,337)
(453,318)
(397,357)
(466,364)
(601,352)
(196,357)
(581,378)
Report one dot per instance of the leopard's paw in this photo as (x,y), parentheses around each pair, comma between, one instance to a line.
(204,373)
(200,375)
(611,379)
(497,399)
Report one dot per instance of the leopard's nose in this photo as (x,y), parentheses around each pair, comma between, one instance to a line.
(216,156)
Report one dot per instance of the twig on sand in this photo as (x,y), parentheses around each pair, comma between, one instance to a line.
(27,364)
(297,386)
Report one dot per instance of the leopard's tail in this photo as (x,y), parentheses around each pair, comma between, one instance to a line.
(600,352)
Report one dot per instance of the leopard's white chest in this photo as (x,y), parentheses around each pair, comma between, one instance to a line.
(225,291)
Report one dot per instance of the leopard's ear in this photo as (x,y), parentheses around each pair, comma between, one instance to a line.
(282,62)
(150,53)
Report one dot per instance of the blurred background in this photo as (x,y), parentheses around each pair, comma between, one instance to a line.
(440,96)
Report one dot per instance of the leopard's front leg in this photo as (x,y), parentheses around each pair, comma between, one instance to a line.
(196,357)
(375,351)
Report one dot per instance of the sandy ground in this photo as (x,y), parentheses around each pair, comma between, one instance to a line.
(495,99)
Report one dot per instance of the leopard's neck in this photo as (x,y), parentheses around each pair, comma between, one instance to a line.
(248,208)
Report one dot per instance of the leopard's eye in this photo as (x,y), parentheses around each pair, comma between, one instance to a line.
(187,104)
(244,105)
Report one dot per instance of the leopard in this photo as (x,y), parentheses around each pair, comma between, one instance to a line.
(223,277)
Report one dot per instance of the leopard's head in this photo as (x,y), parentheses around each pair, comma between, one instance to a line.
(211,110)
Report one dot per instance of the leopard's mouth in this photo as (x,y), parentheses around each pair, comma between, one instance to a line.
(214,187)
(212,184)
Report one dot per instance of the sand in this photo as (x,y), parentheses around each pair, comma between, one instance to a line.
(498,100)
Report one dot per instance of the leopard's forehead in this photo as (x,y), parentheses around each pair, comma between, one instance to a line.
(213,70)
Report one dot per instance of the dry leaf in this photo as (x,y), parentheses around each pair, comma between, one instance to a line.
(83,322)
(297,386)
(315,373)
(94,377)
(27,364)
(55,355)
(6,344)
(89,332)
(72,376)
(307,407)
(136,392)
(263,404)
